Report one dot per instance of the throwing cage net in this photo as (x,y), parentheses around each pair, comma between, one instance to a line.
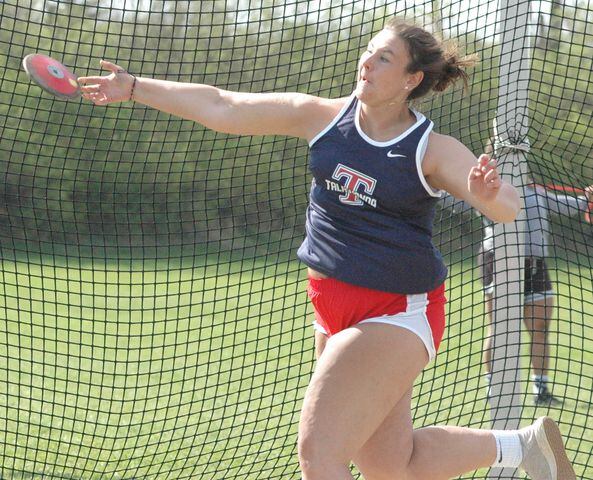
(154,321)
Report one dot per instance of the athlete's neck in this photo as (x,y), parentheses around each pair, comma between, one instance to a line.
(384,123)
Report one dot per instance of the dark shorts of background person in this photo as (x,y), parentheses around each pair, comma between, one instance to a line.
(537,284)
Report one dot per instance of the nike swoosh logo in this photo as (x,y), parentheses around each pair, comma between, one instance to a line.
(394,155)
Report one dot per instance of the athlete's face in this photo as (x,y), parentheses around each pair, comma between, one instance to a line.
(382,71)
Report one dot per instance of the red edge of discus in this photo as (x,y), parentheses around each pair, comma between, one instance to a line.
(51,76)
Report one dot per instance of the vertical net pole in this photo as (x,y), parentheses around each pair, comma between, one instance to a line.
(510,144)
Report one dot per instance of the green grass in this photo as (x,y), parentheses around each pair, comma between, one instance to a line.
(198,370)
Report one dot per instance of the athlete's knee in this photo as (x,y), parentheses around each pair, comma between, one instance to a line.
(316,462)
(317,455)
(401,472)
(376,463)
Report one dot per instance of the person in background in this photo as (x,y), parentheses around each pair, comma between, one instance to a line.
(538,291)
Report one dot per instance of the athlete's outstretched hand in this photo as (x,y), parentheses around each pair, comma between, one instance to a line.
(484,181)
(115,87)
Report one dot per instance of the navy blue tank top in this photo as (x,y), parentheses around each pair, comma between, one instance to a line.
(370,214)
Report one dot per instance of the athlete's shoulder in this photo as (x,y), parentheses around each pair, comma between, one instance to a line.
(317,104)
(440,148)
(440,140)
(308,99)
(322,112)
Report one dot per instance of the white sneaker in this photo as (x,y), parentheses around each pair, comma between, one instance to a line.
(544,456)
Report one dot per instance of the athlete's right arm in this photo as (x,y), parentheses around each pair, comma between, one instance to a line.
(292,114)
(240,113)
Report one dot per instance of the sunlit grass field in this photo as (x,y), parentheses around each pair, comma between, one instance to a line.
(157,370)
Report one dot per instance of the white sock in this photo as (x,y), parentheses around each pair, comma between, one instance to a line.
(540,382)
(509,452)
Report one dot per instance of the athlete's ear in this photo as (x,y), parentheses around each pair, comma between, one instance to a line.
(414,79)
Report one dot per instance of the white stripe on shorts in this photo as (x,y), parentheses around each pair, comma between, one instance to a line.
(413,319)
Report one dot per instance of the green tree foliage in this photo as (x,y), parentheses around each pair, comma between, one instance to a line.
(562,95)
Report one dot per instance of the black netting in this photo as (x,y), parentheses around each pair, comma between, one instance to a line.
(154,317)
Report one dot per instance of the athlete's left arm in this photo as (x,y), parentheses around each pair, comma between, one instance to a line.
(449,165)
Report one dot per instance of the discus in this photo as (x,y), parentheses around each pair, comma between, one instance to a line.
(51,76)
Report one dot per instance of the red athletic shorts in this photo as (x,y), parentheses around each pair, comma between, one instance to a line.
(339,305)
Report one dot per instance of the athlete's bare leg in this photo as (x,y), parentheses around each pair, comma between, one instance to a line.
(320,341)
(357,407)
